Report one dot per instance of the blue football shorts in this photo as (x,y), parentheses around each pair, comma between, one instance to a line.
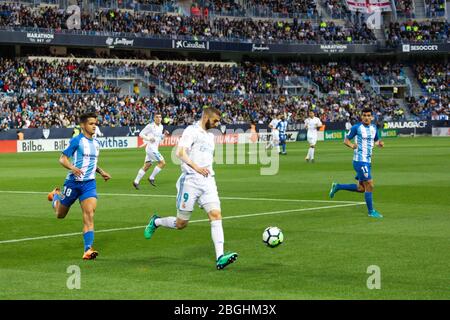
(363,170)
(80,190)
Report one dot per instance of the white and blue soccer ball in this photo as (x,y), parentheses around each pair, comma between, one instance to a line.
(272,236)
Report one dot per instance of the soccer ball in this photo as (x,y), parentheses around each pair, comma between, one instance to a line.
(273,236)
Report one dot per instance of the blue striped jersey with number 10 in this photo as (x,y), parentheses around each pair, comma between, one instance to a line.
(365,138)
(84,153)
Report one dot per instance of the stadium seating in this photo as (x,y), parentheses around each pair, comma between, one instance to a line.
(165,25)
(417,32)
(45,92)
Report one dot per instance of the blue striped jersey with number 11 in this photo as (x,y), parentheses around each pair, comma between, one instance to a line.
(365,138)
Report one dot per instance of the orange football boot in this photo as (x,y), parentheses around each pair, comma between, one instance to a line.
(91,254)
(52,194)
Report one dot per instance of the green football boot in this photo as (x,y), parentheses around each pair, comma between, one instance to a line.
(226,259)
(151,227)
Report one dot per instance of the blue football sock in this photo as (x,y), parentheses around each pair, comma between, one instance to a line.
(55,198)
(88,240)
(284,147)
(349,187)
(368,197)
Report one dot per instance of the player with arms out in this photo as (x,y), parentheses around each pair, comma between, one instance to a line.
(152,134)
(282,127)
(80,182)
(366,136)
(197,184)
(312,123)
(275,135)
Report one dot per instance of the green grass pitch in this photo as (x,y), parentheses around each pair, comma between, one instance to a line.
(327,250)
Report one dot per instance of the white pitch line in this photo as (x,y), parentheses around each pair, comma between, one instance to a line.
(194,221)
(173,196)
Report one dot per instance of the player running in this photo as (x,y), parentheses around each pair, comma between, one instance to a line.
(282,127)
(80,181)
(152,134)
(197,184)
(366,136)
(312,124)
(274,140)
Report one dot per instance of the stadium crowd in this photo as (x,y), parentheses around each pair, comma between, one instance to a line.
(155,24)
(250,77)
(55,93)
(56,110)
(405,7)
(382,72)
(417,32)
(434,107)
(435,8)
(433,77)
(39,76)
(336,8)
(260,7)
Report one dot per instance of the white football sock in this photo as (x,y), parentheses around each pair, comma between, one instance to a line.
(139,176)
(278,148)
(312,153)
(217,237)
(155,172)
(168,222)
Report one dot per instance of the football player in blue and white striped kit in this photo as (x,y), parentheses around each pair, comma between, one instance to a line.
(80,183)
(366,137)
(282,127)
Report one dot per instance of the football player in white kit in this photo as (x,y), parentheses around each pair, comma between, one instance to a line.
(197,184)
(152,134)
(312,124)
(275,135)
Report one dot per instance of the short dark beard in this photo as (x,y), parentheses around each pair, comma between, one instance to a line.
(208,125)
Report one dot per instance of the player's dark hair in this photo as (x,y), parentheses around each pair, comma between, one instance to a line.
(366,110)
(85,116)
(157,113)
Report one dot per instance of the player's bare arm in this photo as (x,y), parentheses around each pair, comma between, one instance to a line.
(105,175)
(380,143)
(350,144)
(182,155)
(65,162)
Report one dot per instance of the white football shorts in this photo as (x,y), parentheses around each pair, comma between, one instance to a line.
(312,139)
(153,155)
(192,188)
